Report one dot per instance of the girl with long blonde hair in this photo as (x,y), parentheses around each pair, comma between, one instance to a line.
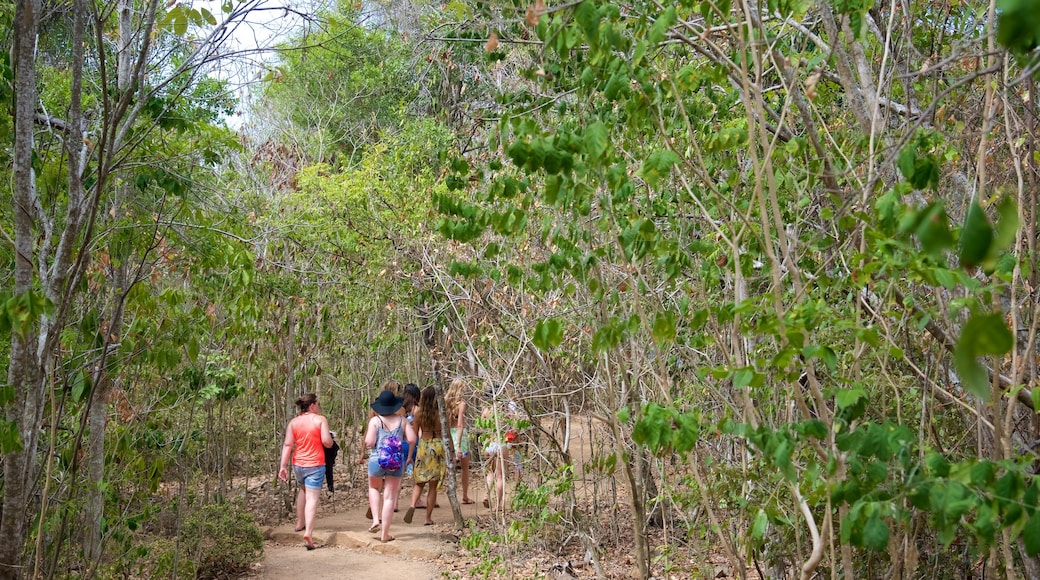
(455,401)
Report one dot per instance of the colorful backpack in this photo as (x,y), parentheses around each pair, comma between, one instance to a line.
(391,451)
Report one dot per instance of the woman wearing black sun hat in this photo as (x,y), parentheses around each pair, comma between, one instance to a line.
(385,425)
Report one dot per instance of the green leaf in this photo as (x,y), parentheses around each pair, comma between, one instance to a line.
(982,473)
(875,533)
(984,334)
(976,236)
(934,229)
(845,398)
(829,357)
(937,465)
(10,440)
(906,162)
(1007,224)
(743,377)
(617,85)
(624,414)
(664,328)
(1018,25)
(988,334)
(80,386)
(180,22)
(973,375)
(548,333)
(1031,535)
(661,26)
(760,525)
(888,208)
(588,18)
(597,140)
(659,164)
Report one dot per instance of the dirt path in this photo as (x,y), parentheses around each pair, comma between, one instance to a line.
(347,550)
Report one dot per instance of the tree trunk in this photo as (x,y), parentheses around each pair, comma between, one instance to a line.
(24,372)
(94,510)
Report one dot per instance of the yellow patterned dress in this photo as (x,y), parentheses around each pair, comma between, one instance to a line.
(430,462)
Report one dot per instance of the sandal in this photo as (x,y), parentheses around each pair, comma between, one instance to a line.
(390,539)
(467,501)
(308,544)
(408,515)
(373,528)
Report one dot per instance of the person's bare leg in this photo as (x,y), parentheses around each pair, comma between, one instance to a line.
(431,500)
(417,488)
(390,489)
(465,480)
(301,503)
(500,479)
(374,485)
(489,481)
(310,513)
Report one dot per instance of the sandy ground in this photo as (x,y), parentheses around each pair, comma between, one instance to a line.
(347,550)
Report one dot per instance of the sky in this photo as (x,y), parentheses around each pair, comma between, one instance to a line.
(257,27)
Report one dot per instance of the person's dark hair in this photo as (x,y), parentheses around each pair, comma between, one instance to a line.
(426,418)
(305,401)
(411,397)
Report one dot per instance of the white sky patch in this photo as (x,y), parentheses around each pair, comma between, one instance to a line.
(254,29)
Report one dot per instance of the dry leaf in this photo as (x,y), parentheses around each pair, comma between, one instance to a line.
(534,13)
(810,84)
(492,43)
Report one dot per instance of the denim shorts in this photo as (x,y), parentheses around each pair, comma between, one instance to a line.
(312,477)
(375,471)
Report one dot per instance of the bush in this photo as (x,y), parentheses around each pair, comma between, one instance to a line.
(222,540)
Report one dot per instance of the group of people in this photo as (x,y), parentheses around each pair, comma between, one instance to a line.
(409,422)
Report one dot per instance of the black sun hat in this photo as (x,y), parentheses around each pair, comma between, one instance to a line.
(387,403)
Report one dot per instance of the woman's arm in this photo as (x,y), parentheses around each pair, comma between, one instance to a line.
(409,434)
(287,446)
(326,435)
(461,423)
(371,435)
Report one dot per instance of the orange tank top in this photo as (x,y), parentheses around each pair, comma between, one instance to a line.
(309,452)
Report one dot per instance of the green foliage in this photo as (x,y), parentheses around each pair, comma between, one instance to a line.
(221,540)
(984,334)
(343,87)
(1018,26)
(547,334)
(10,439)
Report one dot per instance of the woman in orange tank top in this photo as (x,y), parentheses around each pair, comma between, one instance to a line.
(306,438)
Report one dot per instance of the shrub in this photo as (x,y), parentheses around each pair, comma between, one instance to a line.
(222,540)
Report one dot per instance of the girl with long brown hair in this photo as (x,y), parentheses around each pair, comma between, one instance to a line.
(430,463)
